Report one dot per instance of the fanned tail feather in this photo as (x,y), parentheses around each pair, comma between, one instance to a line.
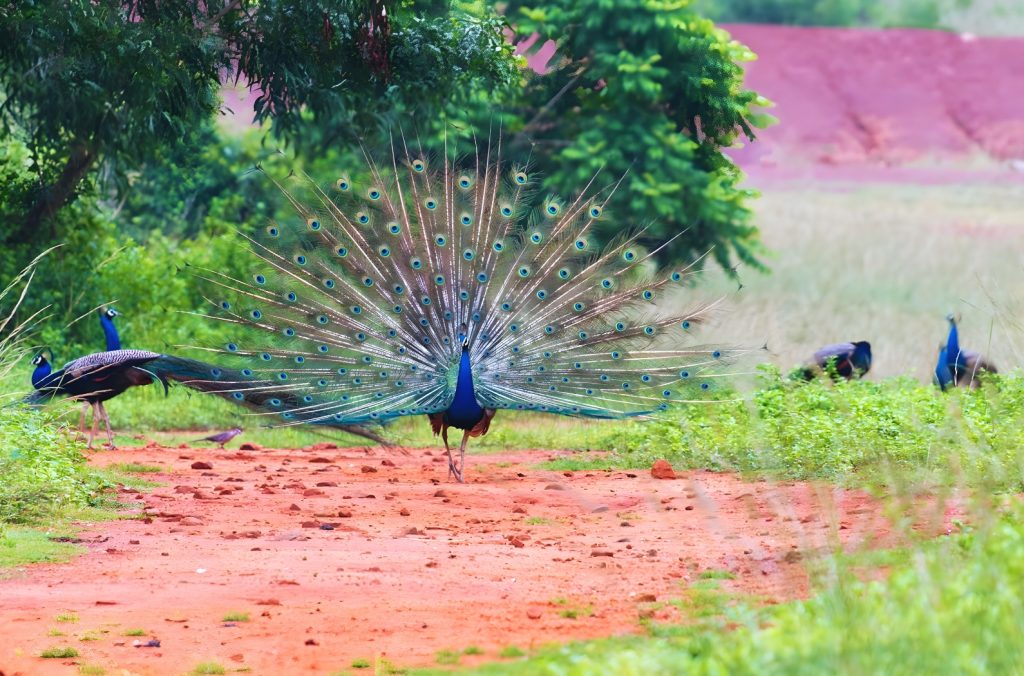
(357,311)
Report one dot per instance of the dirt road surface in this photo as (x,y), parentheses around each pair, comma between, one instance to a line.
(345,554)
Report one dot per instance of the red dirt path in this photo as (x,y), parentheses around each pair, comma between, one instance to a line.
(414,564)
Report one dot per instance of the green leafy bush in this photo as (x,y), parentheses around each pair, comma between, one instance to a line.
(833,430)
(43,470)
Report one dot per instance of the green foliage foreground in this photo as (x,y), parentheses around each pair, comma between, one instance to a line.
(43,469)
(956,609)
(890,431)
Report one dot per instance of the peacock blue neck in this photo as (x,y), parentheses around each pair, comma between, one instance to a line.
(110,331)
(464,412)
(39,374)
(954,355)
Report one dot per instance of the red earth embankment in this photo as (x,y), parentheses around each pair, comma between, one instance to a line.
(884,97)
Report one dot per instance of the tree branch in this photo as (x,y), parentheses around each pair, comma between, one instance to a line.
(546,108)
(51,198)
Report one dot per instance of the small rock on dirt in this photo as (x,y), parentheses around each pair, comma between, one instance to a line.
(387,463)
(366,469)
(201,465)
(601,552)
(662,470)
(249,446)
(533,614)
(191,521)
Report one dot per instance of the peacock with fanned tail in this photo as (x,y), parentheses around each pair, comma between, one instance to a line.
(412,286)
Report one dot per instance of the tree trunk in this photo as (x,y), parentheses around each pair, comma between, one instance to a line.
(53,197)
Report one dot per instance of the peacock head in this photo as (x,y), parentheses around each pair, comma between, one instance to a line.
(109,312)
(42,370)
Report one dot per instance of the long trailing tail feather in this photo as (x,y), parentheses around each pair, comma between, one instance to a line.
(207,378)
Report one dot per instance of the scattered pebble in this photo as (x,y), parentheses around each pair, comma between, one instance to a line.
(662,470)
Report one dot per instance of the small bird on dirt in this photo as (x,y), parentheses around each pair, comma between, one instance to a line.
(852,360)
(957,367)
(222,438)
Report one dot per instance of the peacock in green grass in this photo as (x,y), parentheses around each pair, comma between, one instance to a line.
(415,285)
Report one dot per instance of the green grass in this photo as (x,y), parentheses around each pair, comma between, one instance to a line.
(207,668)
(136,468)
(571,610)
(884,433)
(360,664)
(135,632)
(21,546)
(537,521)
(447,657)
(91,670)
(67,617)
(883,263)
(58,653)
(236,617)
(511,651)
(473,650)
(717,575)
(48,488)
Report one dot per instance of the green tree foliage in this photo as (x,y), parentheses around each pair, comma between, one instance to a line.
(89,83)
(915,13)
(650,91)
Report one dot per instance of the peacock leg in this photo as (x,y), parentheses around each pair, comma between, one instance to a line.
(95,424)
(106,423)
(451,462)
(81,420)
(462,456)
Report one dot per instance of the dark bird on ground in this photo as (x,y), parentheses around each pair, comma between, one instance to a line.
(222,438)
(107,316)
(957,367)
(852,360)
(415,286)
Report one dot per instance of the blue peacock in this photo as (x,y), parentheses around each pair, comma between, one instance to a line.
(957,367)
(415,285)
(101,376)
(110,334)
